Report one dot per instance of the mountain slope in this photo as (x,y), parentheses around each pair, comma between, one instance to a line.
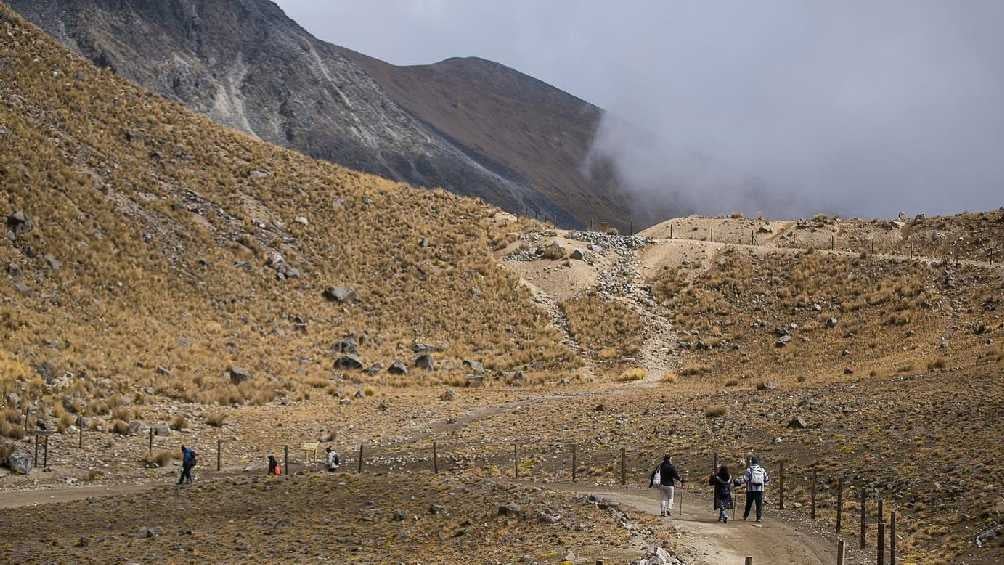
(500,115)
(516,142)
(142,236)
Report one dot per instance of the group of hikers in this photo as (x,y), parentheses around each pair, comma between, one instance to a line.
(188,462)
(754,480)
(665,477)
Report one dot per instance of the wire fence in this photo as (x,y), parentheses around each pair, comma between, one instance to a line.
(843,502)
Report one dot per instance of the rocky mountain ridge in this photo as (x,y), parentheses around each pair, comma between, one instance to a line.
(471,126)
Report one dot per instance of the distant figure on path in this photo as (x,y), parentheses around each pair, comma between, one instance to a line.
(665,477)
(722,481)
(187,462)
(756,478)
(273,466)
(333,460)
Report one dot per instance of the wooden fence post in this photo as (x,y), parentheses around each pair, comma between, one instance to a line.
(34,461)
(150,448)
(435,458)
(670,231)
(833,242)
(841,552)
(892,538)
(45,454)
(881,512)
(623,467)
(219,455)
(780,502)
(80,438)
(840,502)
(285,461)
(26,413)
(515,460)
(714,468)
(360,458)
(574,461)
(749,560)
(881,543)
(863,510)
(812,495)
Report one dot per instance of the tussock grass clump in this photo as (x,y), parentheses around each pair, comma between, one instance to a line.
(119,427)
(715,411)
(216,419)
(179,423)
(633,374)
(609,330)
(160,458)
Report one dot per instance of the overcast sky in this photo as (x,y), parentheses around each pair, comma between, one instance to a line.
(855,107)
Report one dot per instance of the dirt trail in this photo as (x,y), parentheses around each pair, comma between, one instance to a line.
(706,541)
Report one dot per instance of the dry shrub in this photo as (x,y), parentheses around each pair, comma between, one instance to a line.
(693,370)
(633,374)
(160,458)
(179,423)
(936,364)
(607,329)
(669,377)
(119,427)
(715,411)
(216,419)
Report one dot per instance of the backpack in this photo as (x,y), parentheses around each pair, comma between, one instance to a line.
(191,457)
(758,475)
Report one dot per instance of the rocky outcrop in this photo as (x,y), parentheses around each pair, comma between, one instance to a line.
(463,124)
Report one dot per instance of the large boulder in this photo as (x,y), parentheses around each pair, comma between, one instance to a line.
(238,375)
(340,294)
(425,361)
(553,251)
(348,362)
(398,368)
(347,344)
(18,223)
(19,462)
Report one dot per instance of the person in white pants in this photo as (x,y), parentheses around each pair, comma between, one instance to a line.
(665,476)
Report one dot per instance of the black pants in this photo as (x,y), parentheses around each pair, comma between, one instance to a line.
(751,497)
(186,474)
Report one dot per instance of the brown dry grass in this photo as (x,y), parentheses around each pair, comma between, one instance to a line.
(608,330)
(164,222)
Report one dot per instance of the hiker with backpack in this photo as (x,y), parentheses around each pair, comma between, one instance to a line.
(187,463)
(333,461)
(755,479)
(665,477)
(722,481)
(273,466)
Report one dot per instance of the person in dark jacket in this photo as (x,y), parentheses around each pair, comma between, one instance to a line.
(668,476)
(722,481)
(756,479)
(187,462)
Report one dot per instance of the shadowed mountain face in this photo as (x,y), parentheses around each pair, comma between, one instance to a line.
(472,126)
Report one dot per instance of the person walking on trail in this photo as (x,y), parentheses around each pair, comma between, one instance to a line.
(187,463)
(722,481)
(333,460)
(755,479)
(273,466)
(665,477)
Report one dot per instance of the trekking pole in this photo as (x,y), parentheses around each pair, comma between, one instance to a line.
(841,552)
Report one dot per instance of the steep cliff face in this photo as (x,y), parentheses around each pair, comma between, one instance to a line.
(474,127)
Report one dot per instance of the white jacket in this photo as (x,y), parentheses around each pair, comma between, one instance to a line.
(748,479)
